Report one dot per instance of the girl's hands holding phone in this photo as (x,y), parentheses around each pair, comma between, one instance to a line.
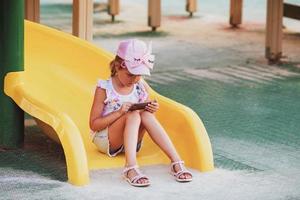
(152,107)
(125,107)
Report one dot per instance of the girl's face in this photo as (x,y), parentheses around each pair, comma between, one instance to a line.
(125,77)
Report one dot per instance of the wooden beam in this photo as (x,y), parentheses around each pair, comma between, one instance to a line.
(236,12)
(291,11)
(83,19)
(273,50)
(32,10)
(113,8)
(191,6)
(154,14)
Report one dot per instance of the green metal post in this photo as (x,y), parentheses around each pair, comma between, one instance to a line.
(11,59)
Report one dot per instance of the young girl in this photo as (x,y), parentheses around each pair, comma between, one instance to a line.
(116,128)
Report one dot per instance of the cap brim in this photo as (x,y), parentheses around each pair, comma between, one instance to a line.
(139,70)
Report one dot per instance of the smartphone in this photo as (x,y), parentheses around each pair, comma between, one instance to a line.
(139,106)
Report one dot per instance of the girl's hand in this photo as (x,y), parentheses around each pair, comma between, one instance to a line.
(125,107)
(152,107)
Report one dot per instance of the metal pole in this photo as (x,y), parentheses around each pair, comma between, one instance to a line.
(11,60)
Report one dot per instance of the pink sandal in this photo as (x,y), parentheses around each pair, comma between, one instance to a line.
(182,170)
(134,180)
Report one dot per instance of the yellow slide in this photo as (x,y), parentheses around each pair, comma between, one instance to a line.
(57,88)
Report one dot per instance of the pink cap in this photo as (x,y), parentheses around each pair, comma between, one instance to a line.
(137,56)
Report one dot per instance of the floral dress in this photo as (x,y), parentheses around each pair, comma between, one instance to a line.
(114,100)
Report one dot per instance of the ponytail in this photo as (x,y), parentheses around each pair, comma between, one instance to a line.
(114,64)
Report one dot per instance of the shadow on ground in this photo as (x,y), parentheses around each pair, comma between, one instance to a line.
(133,34)
(39,155)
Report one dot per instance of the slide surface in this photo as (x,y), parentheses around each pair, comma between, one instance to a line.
(57,87)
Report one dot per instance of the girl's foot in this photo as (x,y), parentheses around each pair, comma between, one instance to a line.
(134,177)
(180,173)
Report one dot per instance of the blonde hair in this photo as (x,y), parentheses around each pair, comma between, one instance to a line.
(114,64)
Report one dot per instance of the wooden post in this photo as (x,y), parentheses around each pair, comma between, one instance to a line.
(191,6)
(113,8)
(83,19)
(154,14)
(274,30)
(236,10)
(32,10)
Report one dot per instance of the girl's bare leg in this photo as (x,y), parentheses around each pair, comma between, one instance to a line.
(116,130)
(131,131)
(115,133)
(161,138)
(127,131)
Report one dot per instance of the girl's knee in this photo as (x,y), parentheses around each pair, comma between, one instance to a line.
(134,115)
(146,115)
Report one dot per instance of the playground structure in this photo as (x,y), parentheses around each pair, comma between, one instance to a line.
(25,88)
(57,90)
(276,10)
(83,14)
(113,8)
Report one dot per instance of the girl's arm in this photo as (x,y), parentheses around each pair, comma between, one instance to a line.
(97,122)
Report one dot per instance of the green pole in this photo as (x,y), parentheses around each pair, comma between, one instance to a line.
(11,60)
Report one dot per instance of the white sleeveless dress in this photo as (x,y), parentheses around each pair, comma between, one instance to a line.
(112,103)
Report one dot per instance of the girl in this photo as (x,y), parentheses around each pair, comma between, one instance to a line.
(116,129)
